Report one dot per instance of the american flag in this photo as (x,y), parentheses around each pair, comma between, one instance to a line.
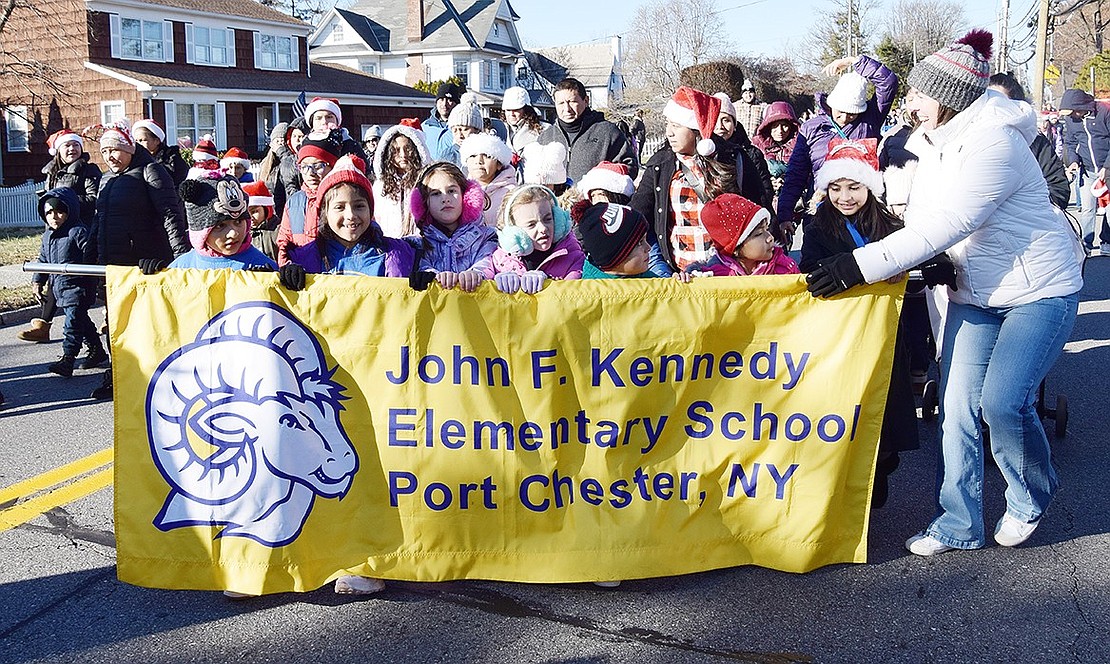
(300,105)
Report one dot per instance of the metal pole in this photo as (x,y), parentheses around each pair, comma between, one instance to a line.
(1040,59)
(65,268)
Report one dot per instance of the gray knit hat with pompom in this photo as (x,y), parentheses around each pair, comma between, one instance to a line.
(957,74)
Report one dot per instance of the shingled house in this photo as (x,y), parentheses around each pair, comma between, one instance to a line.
(230,68)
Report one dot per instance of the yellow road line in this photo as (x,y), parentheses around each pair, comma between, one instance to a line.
(27,510)
(55,476)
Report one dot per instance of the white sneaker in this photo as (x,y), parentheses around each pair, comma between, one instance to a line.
(358,585)
(1011,532)
(607,584)
(926,545)
(231,594)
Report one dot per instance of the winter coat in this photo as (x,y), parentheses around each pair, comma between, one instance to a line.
(776,112)
(299,224)
(780,263)
(80,175)
(564,262)
(170,158)
(503,183)
(288,182)
(598,140)
(979,196)
(264,237)
(437,136)
(139,214)
(524,136)
(71,243)
(1059,188)
(899,431)
(390,258)
(749,159)
(469,248)
(247,258)
(1086,139)
(814,136)
(653,195)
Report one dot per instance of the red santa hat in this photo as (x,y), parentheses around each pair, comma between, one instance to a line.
(323,104)
(856,160)
(258,195)
(695,110)
(235,156)
(55,141)
(348,169)
(607,176)
(730,219)
(205,150)
(151,126)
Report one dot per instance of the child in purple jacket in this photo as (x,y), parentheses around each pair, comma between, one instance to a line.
(535,241)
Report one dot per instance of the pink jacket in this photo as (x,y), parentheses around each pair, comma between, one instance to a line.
(503,183)
(780,263)
(565,261)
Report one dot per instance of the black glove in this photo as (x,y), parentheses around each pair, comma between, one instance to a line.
(292,276)
(259,268)
(939,271)
(150,266)
(421,279)
(834,276)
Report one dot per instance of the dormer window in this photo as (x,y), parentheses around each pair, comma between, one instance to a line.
(136,38)
(337,34)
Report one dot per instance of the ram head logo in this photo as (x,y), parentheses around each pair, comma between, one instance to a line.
(244,426)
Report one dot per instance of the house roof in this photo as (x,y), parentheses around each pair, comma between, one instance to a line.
(243,8)
(374,34)
(327,79)
(591,63)
(448,24)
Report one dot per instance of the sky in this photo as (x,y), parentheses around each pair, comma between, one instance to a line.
(761,27)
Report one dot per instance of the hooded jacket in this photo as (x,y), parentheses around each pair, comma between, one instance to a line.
(597,140)
(394,216)
(80,175)
(71,243)
(979,195)
(564,262)
(1086,139)
(139,214)
(813,138)
(389,258)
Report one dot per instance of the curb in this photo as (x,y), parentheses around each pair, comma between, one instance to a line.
(19,316)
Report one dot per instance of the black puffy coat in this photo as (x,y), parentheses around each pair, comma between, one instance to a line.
(170,158)
(71,243)
(82,176)
(139,214)
(653,195)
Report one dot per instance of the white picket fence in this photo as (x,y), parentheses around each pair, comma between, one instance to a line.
(19,206)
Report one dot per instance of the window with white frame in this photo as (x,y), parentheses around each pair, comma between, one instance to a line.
(19,129)
(506,77)
(369,68)
(462,71)
(196,120)
(112,111)
(337,33)
(487,75)
(496,29)
(211,46)
(275,52)
(141,39)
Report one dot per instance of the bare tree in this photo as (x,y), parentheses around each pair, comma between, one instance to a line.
(925,26)
(1080,28)
(665,37)
(22,74)
(835,33)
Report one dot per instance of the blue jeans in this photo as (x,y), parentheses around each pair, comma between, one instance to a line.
(1088,208)
(993,360)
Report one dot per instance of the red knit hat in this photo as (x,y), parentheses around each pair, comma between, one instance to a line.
(348,169)
(55,140)
(411,123)
(235,155)
(258,195)
(695,110)
(730,219)
(205,150)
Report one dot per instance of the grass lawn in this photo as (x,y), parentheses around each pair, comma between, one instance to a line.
(18,245)
(17,297)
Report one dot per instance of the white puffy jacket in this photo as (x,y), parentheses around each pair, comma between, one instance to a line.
(979,195)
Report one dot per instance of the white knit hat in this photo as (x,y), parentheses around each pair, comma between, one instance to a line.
(487,144)
(607,176)
(545,164)
(467,113)
(726,104)
(515,99)
(850,94)
(323,104)
(151,126)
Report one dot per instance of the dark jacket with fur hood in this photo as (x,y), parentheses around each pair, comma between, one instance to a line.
(139,214)
(82,176)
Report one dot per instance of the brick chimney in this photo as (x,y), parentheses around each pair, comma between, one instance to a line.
(415,32)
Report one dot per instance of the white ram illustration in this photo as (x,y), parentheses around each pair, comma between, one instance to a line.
(244,426)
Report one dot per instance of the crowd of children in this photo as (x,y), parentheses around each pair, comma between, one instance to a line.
(448,202)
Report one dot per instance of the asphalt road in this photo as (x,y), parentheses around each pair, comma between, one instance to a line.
(1046,601)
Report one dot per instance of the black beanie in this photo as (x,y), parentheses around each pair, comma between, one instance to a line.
(610,232)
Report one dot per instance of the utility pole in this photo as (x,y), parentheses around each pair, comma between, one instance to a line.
(1004,33)
(1040,58)
(851,32)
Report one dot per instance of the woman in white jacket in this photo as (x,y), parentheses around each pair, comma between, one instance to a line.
(979,196)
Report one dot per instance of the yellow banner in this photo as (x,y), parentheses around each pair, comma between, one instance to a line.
(268,440)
